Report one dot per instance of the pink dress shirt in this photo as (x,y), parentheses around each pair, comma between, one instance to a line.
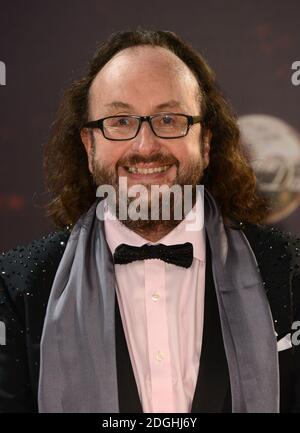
(162,310)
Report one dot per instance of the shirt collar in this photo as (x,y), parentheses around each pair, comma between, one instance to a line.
(190,229)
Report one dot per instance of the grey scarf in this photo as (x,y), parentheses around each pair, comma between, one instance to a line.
(78,357)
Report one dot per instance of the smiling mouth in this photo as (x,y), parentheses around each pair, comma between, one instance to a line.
(150,170)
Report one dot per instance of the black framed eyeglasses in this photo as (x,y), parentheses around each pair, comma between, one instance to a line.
(126,127)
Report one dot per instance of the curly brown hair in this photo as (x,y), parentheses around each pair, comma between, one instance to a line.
(229,176)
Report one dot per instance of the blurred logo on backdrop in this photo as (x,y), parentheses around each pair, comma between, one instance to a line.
(274,150)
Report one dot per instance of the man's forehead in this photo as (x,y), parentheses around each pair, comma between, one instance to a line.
(172,103)
(142,65)
(156,56)
(130,61)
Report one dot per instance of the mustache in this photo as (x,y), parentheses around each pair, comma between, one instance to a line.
(157,157)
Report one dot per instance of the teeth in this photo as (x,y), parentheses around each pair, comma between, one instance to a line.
(148,170)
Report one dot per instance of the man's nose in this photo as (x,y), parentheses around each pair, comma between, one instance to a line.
(146,141)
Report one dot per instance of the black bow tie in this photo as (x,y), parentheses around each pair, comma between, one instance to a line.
(180,255)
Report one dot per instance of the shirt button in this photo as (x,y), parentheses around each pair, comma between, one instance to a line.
(159,356)
(155,297)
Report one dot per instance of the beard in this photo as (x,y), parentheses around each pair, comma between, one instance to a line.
(188,173)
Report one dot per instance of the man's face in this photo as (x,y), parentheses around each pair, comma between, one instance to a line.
(145,81)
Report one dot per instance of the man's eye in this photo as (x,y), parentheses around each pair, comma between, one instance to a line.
(122,121)
(167,120)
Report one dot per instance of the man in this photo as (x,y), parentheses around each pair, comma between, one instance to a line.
(147,315)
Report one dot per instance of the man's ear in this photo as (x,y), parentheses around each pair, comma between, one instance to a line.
(206,147)
(88,142)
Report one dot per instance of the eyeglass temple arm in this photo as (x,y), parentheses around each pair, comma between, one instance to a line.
(195,119)
(93,124)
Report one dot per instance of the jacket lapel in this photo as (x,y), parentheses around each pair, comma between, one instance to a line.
(212,393)
(129,401)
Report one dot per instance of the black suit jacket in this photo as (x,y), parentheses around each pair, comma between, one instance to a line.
(27,275)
